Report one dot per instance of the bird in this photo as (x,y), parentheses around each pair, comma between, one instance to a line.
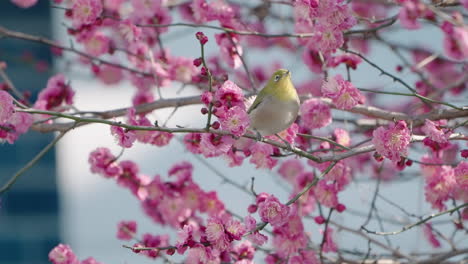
(276,106)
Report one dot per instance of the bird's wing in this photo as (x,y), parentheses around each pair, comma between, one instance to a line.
(258,100)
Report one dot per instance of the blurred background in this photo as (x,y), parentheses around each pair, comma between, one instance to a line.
(60,200)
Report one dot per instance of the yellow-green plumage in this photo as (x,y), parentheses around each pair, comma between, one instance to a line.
(276,106)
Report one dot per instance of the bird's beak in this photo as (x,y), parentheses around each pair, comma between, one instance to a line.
(288,73)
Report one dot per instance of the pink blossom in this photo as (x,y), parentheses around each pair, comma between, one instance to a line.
(326,194)
(129,31)
(430,236)
(329,245)
(90,260)
(24,3)
(234,157)
(235,121)
(290,237)
(154,241)
(315,114)
(271,210)
(182,172)
(185,238)
(86,12)
(16,125)
(212,145)
(109,74)
(221,231)
(230,49)
(255,236)
(160,138)
(130,179)
(210,203)
(312,59)
(124,138)
(6,106)
(97,44)
(290,170)
(435,132)
(350,60)
(244,251)
(62,254)
(56,93)
(392,142)
(201,254)
(461,175)
(261,156)
(340,175)
(455,40)
(181,69)
(192,142)
(230,95)
(103,162)
(440,182)
(215,10)
(342,137)
(126,230)
(410,11)
(343,93)
(326,39)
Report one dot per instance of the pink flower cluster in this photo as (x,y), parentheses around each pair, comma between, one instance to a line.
(327,19)
(392,142)
(63,254)
(12,124)
(57,93)
(343,93)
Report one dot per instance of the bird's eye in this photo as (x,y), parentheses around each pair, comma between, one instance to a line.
(277,77)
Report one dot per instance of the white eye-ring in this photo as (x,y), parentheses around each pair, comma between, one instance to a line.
(277,77)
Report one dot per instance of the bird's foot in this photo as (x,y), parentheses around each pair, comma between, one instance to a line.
(259,136)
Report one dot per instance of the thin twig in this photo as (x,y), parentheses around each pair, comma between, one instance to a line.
(31,163)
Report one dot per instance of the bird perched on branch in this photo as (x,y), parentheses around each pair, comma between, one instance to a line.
(276,106)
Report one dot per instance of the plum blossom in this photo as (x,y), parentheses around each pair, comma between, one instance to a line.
(315,114)
(129,31)
(455,40)
(221,231)
(435,132)
(24,3)
(255,236)
(109,74)
(261,156)
(343,93)
(62,254)
(86,12)
(235,120)
(212,145)
(290,237)
(290,169)
(440,182)
(97,44)
(230,50)
(271,210)
(461,175)
(430,236)
(124,138)
(6,106)
(56,93)
(229,95)
(126,230)
(409,13)
(16,125)
(326,194)
(392,142)
(103,162)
